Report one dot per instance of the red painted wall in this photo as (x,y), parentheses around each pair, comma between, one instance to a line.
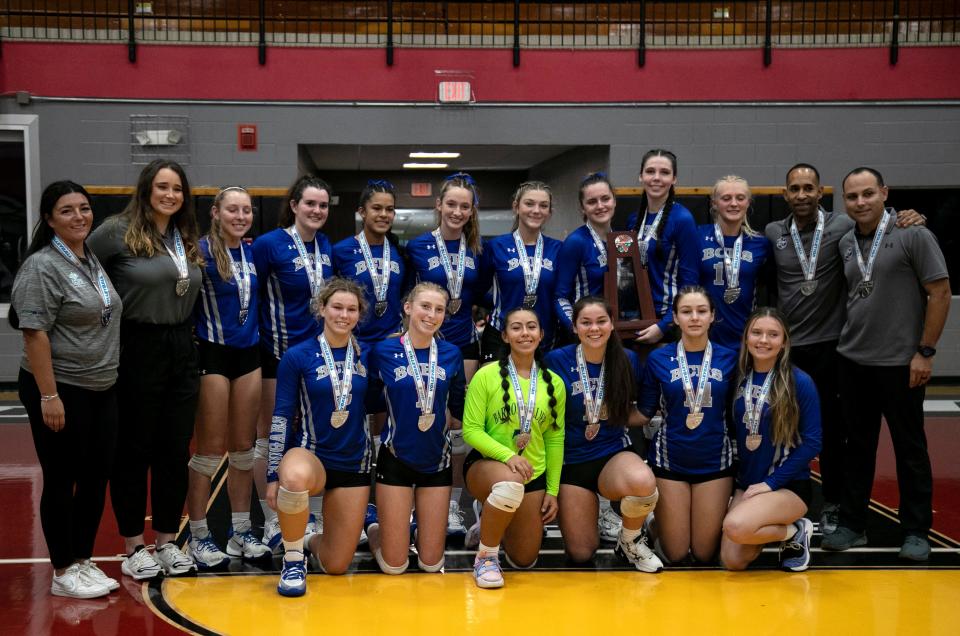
(213,72)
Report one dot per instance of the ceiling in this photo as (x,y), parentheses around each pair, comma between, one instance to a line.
(390,158)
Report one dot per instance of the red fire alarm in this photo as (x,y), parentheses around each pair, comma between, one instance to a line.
(246,136)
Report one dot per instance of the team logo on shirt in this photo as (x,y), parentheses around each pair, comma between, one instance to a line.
(400,373)
(298,263)
(715,374)
(251,268)
(434,262)
(514,263)
(576,387)
(782,242)
(361,266)
(358,369)
(716,252)
(77,280)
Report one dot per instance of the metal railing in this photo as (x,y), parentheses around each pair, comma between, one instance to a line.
(517,24)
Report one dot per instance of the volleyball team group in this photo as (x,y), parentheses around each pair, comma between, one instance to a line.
(315,370)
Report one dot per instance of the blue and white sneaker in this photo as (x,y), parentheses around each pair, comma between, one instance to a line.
(293,578)
(246,545)
(370,518)
(795,553)
(272,537)
(207,554)
(455,527)
(487,571)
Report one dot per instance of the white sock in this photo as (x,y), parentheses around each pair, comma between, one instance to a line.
(269,514)
(627,535)
(455,494)
(792,529)
(241,521)
(293,547)
(486,550)
(199,529)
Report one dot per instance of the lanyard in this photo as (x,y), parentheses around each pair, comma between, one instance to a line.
(731,266)
(601,248)
(809,266)
(646,234)
(341,385)
(381,279)
(100,284)
(179,256)
(752,411)
(314,274)
(426,391)
(694,399)
(592,404)
(525,410)
(531,273)
(242,276)
(866,269)
(454,276)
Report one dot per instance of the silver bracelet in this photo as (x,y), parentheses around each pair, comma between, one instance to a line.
(47,398)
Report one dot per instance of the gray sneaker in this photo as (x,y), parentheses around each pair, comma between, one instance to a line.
(843,538)
(829,518)
(915,548)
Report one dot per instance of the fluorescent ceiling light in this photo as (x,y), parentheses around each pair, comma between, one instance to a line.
(434,155)
(435,166)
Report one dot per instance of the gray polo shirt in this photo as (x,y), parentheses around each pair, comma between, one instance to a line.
(147,285)
(819,316)
(52,295)
(884,329)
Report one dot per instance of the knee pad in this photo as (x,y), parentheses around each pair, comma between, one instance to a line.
(518,567)
(292,502)
(506,496)
(436,567)
(242,460)
(631,506)
(261,449)
(390,569)
(206,465)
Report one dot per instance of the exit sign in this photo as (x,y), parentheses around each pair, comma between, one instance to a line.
(420,189)
(454,93)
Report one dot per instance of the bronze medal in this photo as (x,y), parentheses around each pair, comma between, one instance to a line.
(591,431)
(865,288)
(425,421)
(243,316)
(529,301)
(339,418)
(183,286)
(522,440)
(731,294)
(807,287)
(453,305)
(753,441)
(380,308)
(694,420)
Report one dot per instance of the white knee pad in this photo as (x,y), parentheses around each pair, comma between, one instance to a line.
(261,449)
(206,465)
(292,502)
(436,567)
(631,506)
(506,496)
(518,567)
(242,460)
(386,568)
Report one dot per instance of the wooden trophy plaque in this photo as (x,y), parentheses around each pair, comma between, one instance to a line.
(626,286)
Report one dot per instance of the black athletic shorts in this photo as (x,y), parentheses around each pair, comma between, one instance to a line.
(699,478)
(471,351)
(268,364)
(587,474)
(540,483)
(345,479)
(230,362)
(393,472)
(491,344)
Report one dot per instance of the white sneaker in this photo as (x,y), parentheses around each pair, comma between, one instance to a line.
(173,561)
(609,523)
(455,525)
(246,545)
(472,538)
(90,570)
(638,553)
(487,572)
(207,554)
(72,584)
(141,565)
(272,537)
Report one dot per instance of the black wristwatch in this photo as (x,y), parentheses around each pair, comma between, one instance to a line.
(926,352)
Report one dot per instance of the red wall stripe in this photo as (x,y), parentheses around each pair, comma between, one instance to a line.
(227,72)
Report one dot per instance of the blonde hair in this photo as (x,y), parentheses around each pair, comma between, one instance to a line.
(529,186)
(472,229)
(340,284)
(732,179)
(784,412)
(215,238)
(419,288)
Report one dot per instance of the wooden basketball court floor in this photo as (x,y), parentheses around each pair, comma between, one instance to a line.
(863,591)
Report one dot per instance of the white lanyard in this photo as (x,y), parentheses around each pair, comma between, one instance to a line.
(601,247)
(454,276)
(341,386)
(101,279)
(179,256)
(242,276)
(808,265)
(531,272)
(315,273)
(695,400)
(426,391)
(381,278)
(646,234)
(525,410)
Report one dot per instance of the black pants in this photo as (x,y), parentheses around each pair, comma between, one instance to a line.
(75,463)
(157,395)
(867,393)
(821,361)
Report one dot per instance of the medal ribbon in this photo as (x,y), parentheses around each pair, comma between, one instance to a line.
(531,274)
(242,276)
(341,386)
(601,248)
(454,276)
(525,410)
(101,282)
(866,270)
(314,274)
(695,400)
(809,266)
(751,410)
(591,404)
(646,233)
(180,257)
(731,267)
(381,280)
(425,393)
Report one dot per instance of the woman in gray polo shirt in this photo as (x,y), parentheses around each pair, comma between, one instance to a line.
(70,316)
(150,251)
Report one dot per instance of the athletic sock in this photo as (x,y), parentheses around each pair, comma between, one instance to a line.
(791,530)
(269,514)
(240,521)
(486,550)
(628,535)
(293,546)
(199,529)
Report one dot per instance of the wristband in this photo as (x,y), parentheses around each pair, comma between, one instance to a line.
(48,398)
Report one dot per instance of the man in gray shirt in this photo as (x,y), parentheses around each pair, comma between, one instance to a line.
(898,296)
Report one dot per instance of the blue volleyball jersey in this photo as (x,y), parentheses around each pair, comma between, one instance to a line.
(707,448)
(429,451)
(303,386)
(285,294)
(579,272)
(348,262)
(775,465)
(501,262)
(425,263)
(677,262)
(728,324)
(217,312)
(610,438)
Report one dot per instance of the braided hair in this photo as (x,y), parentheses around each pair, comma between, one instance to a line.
(502,360)
(671,196)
